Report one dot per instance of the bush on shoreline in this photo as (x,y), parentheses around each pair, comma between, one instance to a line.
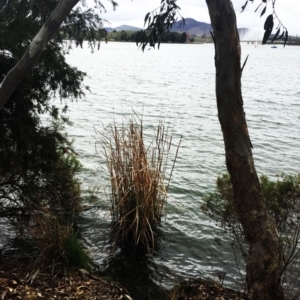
(282,199)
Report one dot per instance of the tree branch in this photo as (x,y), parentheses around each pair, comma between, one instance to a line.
(39,43)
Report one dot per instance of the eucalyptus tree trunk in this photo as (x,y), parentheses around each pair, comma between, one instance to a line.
(40,41)
(265,261)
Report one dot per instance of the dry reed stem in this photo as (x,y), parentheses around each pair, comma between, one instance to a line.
(138,181)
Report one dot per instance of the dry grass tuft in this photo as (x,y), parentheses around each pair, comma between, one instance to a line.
(140,178)
(56,240)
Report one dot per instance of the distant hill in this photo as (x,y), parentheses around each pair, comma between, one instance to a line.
(191,27)
(197,28)
(124,27)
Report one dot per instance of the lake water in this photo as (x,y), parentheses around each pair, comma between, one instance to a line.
(177,85)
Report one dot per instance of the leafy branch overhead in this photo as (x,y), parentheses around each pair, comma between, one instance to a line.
(77,25)
(281,31)
(159,22)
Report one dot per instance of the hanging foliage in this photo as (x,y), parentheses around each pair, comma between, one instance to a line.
(269,22)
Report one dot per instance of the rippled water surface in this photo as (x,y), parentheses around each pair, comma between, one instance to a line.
(176,84)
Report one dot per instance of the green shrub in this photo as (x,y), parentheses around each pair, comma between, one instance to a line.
(75,254)
(282,200)
(38,179)
(49,208)
(57,244)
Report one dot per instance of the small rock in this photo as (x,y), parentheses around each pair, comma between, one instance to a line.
(83,272)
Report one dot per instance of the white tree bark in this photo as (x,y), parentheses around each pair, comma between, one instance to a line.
(40,41)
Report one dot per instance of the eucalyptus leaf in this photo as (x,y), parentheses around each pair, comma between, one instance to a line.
(269,23)
(263,11)
(281,36)
(276,35)
(257,7)
(146,18)
(244,6)
(268,26)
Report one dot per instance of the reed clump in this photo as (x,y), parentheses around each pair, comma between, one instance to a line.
(140,178)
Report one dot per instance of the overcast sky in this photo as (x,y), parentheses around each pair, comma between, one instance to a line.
(132,12)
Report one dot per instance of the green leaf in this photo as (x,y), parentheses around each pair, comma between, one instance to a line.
(263,11)
(269,23)
(268,26)
(266,36)
(244,6)
(146,18)
(281,36)
(257,7)
(276,35)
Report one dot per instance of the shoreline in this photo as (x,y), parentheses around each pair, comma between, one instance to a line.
(21,281)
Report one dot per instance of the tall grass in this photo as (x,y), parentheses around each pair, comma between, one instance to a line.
(57,243)
(140,177)
(44,216)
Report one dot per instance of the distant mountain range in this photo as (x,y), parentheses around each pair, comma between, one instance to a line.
(124,27)
(197,28)
(191,27)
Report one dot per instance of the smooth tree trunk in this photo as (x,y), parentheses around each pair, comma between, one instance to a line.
(264,261)
(40,41)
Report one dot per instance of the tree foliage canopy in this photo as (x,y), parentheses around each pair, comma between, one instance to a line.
(281,30)
(160,21)
(38,169)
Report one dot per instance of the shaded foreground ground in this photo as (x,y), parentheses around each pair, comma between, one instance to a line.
(204,289)
(18,283)
(72,284)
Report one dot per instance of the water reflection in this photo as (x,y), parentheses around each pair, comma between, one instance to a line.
(135,273)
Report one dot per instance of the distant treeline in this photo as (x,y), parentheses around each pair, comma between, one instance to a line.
(141,36)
